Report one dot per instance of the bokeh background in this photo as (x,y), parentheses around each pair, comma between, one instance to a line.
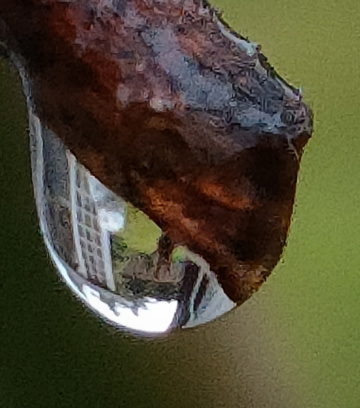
(295,344)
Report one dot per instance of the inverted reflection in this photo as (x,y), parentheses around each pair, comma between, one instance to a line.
(112,256)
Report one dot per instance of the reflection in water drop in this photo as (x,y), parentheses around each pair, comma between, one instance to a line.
(112,256)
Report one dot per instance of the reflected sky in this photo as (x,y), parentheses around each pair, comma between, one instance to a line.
(109,253)
(155,317)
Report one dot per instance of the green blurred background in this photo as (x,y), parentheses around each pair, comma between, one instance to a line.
(295,344)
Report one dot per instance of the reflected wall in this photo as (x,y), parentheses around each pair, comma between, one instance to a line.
(295,344)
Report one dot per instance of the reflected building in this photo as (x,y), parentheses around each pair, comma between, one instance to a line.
(86,230)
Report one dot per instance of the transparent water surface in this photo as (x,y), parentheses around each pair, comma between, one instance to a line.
(294,344)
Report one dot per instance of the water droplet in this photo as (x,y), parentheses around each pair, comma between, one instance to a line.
(111,256)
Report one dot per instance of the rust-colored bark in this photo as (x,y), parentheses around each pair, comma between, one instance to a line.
(174,115)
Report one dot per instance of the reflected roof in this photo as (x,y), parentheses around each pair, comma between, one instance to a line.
(108,253)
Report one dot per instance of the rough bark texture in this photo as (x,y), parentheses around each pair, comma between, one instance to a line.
(172,111)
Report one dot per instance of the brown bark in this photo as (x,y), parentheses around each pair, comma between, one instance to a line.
(175,115)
